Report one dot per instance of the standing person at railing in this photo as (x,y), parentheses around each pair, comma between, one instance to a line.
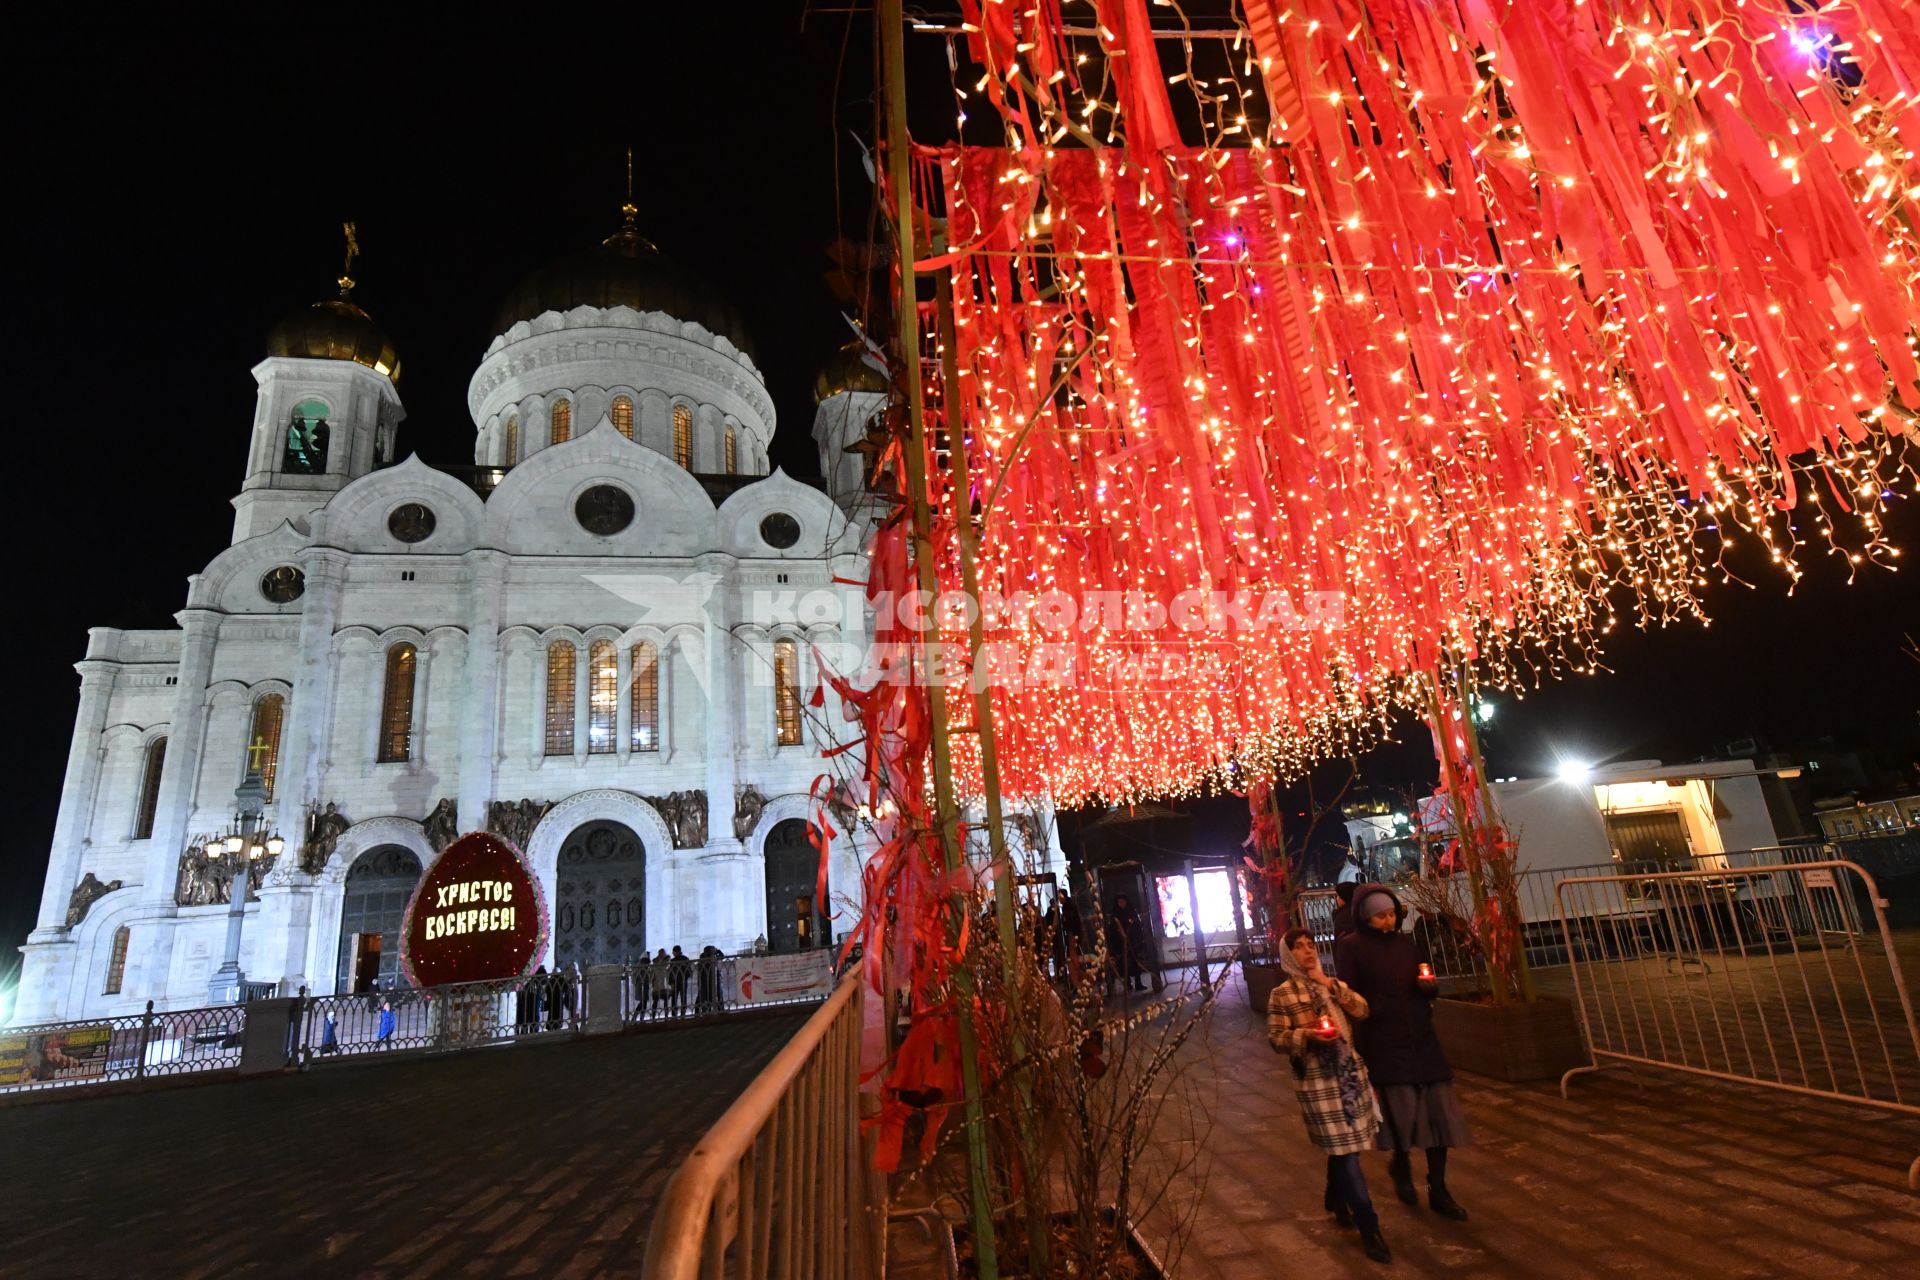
(526,1001)
(559,995)
(1411,1075)
(387,1020)
(681,969)
(708,989)
(662,981)
(1310,1018)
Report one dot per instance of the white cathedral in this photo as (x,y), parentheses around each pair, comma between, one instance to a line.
(566,643)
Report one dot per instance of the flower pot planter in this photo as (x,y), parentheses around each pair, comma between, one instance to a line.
(1145,1265)
(1261,977)
(1537,1041)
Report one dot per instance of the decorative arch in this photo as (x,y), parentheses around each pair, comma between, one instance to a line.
(607,804)
(330,885)
(843,858)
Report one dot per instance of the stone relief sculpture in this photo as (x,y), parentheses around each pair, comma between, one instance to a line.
(85,894)
(685,813)
(747,808)
(514,823)
(442,826)
(196,885)
(324,830)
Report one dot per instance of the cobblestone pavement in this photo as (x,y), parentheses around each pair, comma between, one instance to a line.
(1638,1174)
(540,1160)
(1646,1173)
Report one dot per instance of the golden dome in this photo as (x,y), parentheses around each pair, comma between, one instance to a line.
(848,371)
(626,270)
(335,329)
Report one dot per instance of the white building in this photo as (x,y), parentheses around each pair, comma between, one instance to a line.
(580,621)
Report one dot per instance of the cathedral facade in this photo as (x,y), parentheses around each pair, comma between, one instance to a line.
(585,642)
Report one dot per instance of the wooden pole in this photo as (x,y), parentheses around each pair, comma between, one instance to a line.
(1027,1131)
(946,810)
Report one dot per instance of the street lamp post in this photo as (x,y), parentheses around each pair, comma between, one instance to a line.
(243,847)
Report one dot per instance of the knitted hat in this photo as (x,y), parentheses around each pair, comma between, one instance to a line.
(1368,905)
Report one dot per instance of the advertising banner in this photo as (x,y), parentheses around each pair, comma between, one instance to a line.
(72,1054)
(767,979)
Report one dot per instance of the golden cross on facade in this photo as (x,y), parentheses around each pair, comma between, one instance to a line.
(259,747)
(353,251)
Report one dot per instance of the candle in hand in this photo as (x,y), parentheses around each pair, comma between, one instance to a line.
(1326,1026)
(1426,973)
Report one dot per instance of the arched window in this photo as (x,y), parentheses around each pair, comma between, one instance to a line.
(733,452)
(117,962)
(603,697)
(396,705)
(263,738)
(306,451)
(683,436)
(623,415)
(786,692)
(562,422)
(560,663)
(645,698)
(510,454)
(149,789)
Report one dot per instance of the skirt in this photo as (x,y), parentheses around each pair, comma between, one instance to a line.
(1420,1116)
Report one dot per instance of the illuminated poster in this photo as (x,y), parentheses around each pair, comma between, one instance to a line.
(477,916)
(72,1054)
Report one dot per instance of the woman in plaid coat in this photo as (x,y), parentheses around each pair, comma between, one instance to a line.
(1307,1019)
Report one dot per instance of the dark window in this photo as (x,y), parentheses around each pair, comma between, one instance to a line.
(150,789)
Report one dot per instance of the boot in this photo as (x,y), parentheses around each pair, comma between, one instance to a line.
(1400,1169)
(1441,1201)
(1375,1245)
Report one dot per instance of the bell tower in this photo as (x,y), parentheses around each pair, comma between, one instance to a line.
(327,411)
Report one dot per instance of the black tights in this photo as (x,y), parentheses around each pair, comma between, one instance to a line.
(1436,1165)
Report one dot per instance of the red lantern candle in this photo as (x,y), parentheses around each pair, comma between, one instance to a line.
(1426,973)
(1326,1026)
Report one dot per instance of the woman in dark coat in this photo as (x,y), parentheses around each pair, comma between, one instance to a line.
(1418,1106)
(1128,941)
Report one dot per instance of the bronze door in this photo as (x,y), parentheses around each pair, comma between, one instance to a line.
(795,920)
(600,907)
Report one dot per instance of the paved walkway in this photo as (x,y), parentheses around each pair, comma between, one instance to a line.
(539,1160)
(1647,1174)
(1654,1174)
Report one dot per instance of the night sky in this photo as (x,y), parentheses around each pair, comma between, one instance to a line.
(179,175)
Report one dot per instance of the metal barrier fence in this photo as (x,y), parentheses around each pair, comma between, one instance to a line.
(57,1055)
(1758,974)
(780,1186)
(1442,921)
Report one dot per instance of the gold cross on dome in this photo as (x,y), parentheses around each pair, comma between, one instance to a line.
(353,251)
(257,748)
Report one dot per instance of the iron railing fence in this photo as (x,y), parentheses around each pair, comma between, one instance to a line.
(781,1185)
(1734,973)
(56,1055)
(323,1029)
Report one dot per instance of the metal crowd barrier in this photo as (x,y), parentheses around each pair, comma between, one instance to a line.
(780,1186)
(1784,976)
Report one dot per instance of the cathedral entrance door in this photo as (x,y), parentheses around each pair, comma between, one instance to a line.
(378,885)
(795,920)
(600,903)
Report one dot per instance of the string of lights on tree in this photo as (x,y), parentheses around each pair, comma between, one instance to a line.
(1499,322)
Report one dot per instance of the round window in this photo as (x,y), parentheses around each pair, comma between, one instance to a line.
(604,510)
(780,530)
(283,584)
(411,522)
